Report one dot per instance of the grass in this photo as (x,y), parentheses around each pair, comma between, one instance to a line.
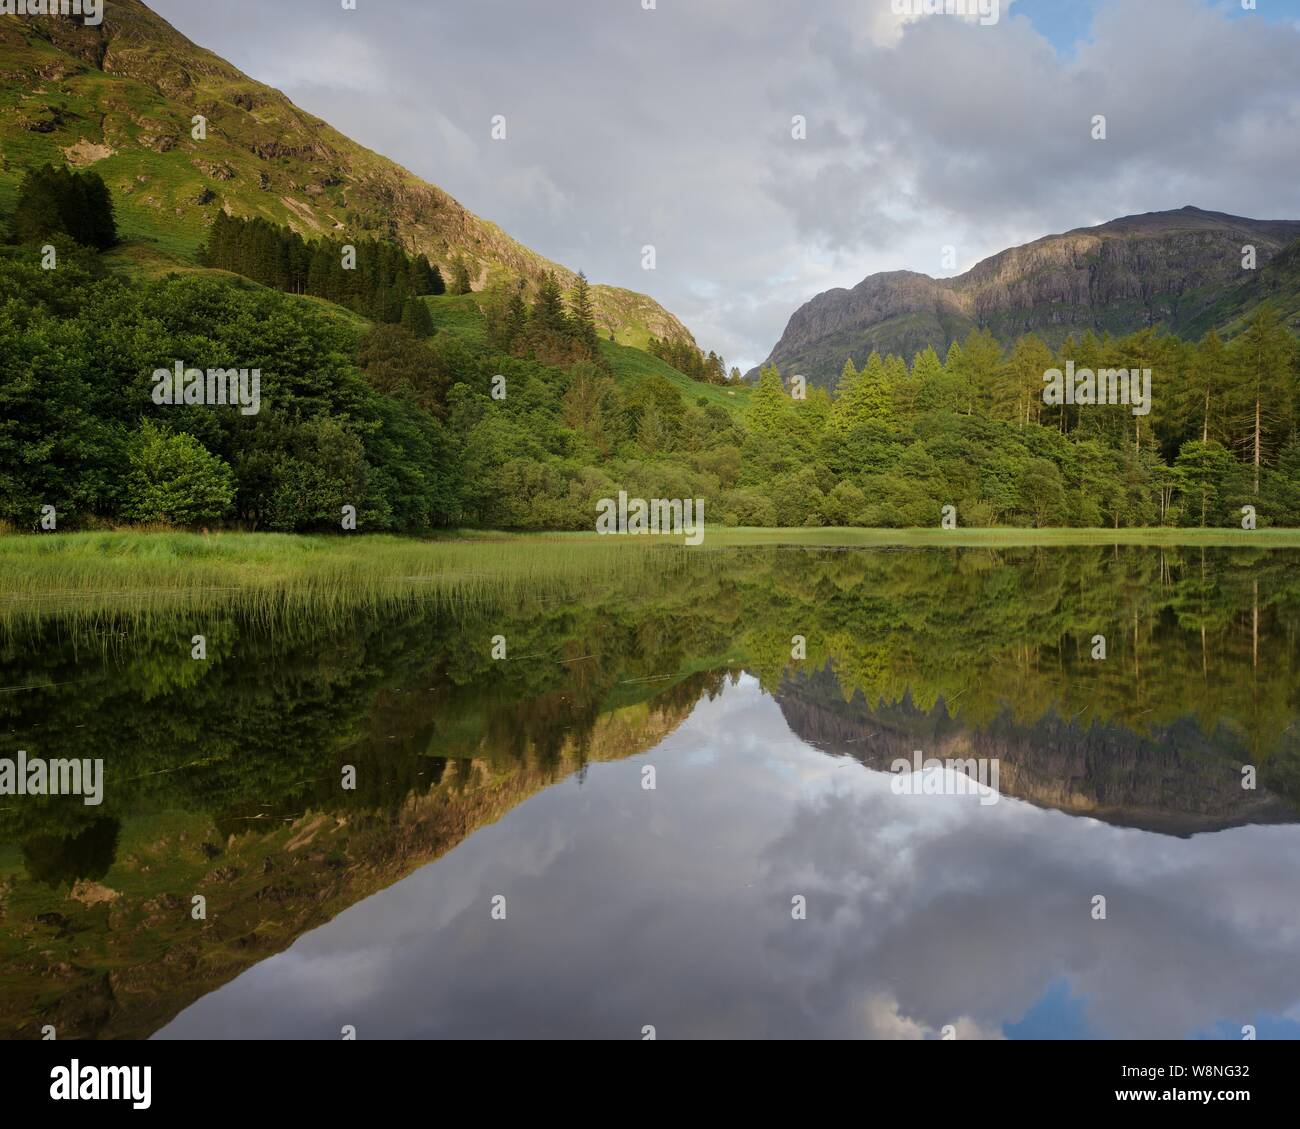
(93,574)
(89,575)
(459,315)
(262,156)
(631,366)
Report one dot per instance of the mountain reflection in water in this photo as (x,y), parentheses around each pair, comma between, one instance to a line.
(672,907)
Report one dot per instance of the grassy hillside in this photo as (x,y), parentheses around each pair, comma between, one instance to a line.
(147,262)
(122,97)
(461,315)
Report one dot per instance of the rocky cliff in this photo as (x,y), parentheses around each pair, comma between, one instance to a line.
(1182,269)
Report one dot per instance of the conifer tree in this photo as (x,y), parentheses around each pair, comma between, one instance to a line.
(415,317)
(548,311)
(769,406)
(581,317)
(460,281)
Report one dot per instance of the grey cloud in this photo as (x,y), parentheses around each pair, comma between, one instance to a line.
(672,127)
(673,908)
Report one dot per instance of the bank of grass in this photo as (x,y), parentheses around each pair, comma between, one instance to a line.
(127,571)
(108,573)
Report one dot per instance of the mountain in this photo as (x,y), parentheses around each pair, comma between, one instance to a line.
(1174,781)
(1180,268)
(120,963)
(120,98)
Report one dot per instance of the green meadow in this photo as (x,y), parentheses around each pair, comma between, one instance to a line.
(80,575)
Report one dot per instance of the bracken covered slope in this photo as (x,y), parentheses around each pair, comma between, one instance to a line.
(121,98)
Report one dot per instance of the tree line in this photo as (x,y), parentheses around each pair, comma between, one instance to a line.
(58,201)
(376,279)
(550,329)
(689,360)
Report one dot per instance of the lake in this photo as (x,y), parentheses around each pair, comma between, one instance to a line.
(665,804)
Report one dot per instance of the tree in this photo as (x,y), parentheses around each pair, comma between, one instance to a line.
(424,279)
(1205,383)
(1263,360)
(548,310)
(460,281)
(866,398)
(416,319)
(769,407)
(174,479)
(58,201)
(1029,360)
(509,324)
(1200,471)
(980,371)
(582,319)
(926,374)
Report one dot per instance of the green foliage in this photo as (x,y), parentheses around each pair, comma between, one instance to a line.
(376,279)
(57,201)
(460,280)
(416,319)
(173,479)
(403,426)
(690,360)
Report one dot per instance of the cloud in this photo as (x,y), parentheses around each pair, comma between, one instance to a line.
(674,908)
(673,127)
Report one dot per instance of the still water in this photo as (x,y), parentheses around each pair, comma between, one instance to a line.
(650,815)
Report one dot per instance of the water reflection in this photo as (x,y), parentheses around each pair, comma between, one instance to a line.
(672,907)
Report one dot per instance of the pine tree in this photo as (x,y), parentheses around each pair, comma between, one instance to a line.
(769,407)
(548,311)
(460,282)
(415,317)
(516,319)
(420,276)
(581,317)
(981,371)
(866,398)
(848,377)
(1029,360)
(1205,382)
(57,201)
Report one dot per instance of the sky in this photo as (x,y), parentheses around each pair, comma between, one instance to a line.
(673,907)
(673,126)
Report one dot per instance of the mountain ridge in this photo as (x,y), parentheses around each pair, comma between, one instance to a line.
(121,96)
(1179,268)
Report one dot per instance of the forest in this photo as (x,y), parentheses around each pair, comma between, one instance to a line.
(400,421)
